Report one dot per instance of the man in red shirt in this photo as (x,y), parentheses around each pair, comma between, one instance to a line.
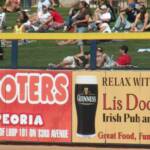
(58,21)
(124,59)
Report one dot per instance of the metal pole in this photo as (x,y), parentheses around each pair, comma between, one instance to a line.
(93,54)
(14,54)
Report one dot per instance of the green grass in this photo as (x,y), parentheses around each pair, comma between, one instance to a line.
(40,53)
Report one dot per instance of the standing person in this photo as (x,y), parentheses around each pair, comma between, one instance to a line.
(82,20)
(12,5)
(142,22)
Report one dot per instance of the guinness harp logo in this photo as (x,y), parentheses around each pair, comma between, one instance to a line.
(86,90)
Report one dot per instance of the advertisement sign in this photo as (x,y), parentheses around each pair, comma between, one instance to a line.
(35,105)
(111,107)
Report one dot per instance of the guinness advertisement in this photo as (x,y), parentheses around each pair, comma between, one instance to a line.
(86,96)
(111,107)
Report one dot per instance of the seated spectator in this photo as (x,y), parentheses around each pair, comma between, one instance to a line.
(2,19)
(142,22)
(39,23)
(102,18)
(12,5)
(101,58)
(40,5)
(30,25)
(57,19)
(126,17)
(78,61)
(82,20)
(19,28)
(80,24)
(44,19)
(73,12)
(110,8)
(23,16)
(124,59)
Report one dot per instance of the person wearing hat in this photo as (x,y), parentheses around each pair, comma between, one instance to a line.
(102,18)
(126,17)
(44,19)
(40,5)
(110,7)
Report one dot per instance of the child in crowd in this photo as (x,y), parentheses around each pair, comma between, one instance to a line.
(19,28)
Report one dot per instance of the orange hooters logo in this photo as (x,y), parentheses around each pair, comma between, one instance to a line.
(34,88)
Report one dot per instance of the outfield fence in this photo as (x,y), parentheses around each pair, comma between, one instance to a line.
(93,37)
(75,106)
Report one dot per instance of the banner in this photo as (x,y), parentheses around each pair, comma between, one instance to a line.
(35,105)
(111,107)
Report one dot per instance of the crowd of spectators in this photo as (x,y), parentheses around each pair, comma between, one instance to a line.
(123,60)
(82,17)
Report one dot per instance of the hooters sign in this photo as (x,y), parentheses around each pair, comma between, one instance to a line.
(35,106)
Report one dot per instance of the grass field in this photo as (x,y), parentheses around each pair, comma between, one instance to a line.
(40,53)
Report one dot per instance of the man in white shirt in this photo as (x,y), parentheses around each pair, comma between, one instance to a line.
(40,4)
(45,15)
(36,23)
(101,20)
(104,17)
(44,19)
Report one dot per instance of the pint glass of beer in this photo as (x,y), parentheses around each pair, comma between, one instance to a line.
(86,98)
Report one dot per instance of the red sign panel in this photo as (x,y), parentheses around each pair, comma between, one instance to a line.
(35,105)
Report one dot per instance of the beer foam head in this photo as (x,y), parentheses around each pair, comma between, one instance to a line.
(86,80)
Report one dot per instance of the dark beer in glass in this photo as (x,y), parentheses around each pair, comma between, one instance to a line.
(86,98)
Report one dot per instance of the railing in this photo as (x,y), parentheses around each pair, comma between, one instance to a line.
(63,36)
